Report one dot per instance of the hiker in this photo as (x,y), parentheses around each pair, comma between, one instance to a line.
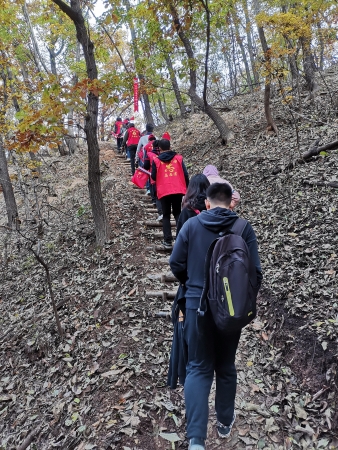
(194,200)
(212,174)
(130,140)
(142,142)
(144,139)
(124,128)
(118,133)
(171,176)
(142,151)
(152,151)
(166,135)
(209,350)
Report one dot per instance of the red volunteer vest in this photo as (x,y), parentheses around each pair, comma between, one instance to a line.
(133,136)
(151,157)
(170,177)
(118,125)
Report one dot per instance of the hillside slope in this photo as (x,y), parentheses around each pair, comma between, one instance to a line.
(103,385)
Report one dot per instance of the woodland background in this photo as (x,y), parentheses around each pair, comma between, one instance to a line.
(248,86)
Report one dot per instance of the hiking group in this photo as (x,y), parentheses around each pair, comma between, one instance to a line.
(215,258)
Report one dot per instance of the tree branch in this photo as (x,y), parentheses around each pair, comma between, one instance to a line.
(69,11)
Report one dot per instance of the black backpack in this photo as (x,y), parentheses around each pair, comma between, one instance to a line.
(230,281)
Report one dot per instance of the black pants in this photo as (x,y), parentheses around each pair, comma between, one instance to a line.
(119,141)
(132,153)
(154,198)
(168,201)
(208,353)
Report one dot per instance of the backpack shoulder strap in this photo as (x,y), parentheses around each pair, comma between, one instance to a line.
(239,226)
(203,303)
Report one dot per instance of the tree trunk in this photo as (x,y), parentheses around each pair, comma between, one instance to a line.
(291,59)
(249,39)
(208,109)
(36,52)
(163,111)
(94,183)
(308,66)
(241,46)
(175,85)
(147,109)
(271,126)
(70,139)
(7,188)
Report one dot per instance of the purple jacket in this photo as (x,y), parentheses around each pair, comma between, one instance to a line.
(211,173)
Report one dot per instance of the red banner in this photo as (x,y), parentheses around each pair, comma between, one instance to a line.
(135,94)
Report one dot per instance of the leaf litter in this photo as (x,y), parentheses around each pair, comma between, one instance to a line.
(103,386)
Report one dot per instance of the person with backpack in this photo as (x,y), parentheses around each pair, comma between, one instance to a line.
(212,174)
(194,200)
(210,349)
(171,177)
(130,140)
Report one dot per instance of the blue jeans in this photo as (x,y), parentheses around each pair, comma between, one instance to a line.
(208,353)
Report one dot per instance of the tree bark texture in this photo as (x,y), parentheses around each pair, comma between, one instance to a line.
(267,92)
(74,12)
(174,83)
(8,192)
(208,109)
(308,66)
(249,40)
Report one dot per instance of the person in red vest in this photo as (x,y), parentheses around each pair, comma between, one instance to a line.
(151,151)
(118,133)
(166,135)
(130,140)
(171,176)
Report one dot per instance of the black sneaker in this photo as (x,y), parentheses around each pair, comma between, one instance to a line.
(196,444)
(167,244)
(223,430)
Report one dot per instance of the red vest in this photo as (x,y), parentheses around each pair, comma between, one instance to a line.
(170,177)
(151,156)
(118,126)
(133,136)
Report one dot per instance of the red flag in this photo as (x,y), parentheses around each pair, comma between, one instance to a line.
(135,94)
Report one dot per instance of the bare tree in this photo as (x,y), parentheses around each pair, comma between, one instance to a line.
(7,188)
(201,102)
(74,12)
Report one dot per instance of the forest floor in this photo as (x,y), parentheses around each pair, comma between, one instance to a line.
(104,385)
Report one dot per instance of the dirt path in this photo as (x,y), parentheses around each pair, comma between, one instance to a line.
(104,385)
(152,411)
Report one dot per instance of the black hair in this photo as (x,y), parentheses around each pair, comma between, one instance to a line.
(164,144)
(220,193)
(150,127)
(131,125)
(118,119)
(155,143)
(198,185)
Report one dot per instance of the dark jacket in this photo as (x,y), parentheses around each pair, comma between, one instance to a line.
(187,212)
(167,157)
(192,243)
